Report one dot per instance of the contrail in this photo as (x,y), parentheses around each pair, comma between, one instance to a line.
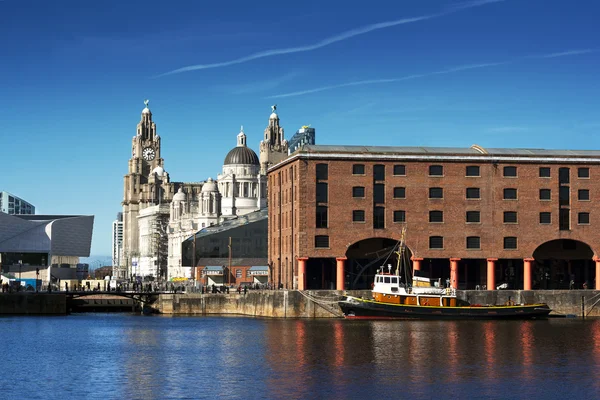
(417,76)
(333,39)
(390,80)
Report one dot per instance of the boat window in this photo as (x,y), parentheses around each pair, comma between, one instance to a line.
(394,289)
(387,279)
(395,280)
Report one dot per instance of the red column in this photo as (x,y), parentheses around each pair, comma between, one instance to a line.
(340,272)
(491,273)
(597,261)
(527,273)
(302,273)
(416,263)
(454,272)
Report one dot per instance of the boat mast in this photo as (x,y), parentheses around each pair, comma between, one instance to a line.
(400,252)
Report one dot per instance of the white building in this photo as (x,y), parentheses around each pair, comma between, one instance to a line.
(117,247)
(159,214)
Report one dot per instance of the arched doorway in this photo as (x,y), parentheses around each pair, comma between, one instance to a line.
(563,264)
(366,256)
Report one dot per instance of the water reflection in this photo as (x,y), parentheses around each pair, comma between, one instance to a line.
(161,358)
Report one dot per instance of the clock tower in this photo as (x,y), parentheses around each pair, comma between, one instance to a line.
(146,182)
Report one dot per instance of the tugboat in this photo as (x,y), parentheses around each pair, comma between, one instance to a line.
(393,298)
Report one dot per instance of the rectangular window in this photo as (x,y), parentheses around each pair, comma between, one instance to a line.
(473,170)
(322,172)
(399,170)
(322,241)
(379,172)
(399,216)
(378,218)
(473,193)
(238,273)
(544,172)
(436,193)
(436,216)
(379,193)
(583,172)
(583,194)
(510,217)
(510,172)
(564,219)
(436,170)
(322,196)
(473,216)
(510,194)
(545,194)
(510,243)
(358,169)
(436,242)
(563,176)
(563,195)
(358,191)
(399,193)
(583,218)
(358,216)
(473,242)
(545,218)
(321,221)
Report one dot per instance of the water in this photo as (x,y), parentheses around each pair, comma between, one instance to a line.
(119,356)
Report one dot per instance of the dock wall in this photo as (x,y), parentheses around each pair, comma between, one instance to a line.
(33,304)
(321,304)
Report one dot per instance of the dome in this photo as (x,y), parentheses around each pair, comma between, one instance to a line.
(179,196)
(209,186)
(146,111)
(241,155)
(274,116)
(158,170)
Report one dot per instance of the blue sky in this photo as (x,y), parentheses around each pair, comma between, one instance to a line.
(74,74)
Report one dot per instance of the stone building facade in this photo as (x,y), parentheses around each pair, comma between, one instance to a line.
(152,203)
(274,148)
(478,217)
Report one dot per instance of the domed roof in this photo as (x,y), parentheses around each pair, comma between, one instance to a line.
(241,155)
(158,170)
(273,116)
(209,186)
(179,196)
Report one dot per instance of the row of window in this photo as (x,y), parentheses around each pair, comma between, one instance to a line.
(470,170)
(437,242)
(471,193)
(472,242)
(437,216)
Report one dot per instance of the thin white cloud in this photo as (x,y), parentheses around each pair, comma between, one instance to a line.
(508,129)
(258,86)
(390,80)
(459,68)
(566,53)
(333,39)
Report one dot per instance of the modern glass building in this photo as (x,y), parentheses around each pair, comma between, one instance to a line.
(247,235)
(305,135)
(13,205)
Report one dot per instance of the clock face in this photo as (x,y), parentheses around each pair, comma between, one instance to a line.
(148,154)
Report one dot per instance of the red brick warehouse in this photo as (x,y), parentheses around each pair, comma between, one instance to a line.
(479,217)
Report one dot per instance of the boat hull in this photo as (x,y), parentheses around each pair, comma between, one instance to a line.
(357,308)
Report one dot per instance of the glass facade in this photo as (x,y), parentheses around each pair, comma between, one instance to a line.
(11,204)
(249,244)
(304,135)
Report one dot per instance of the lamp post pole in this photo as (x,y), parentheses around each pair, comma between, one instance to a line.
(229,270)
